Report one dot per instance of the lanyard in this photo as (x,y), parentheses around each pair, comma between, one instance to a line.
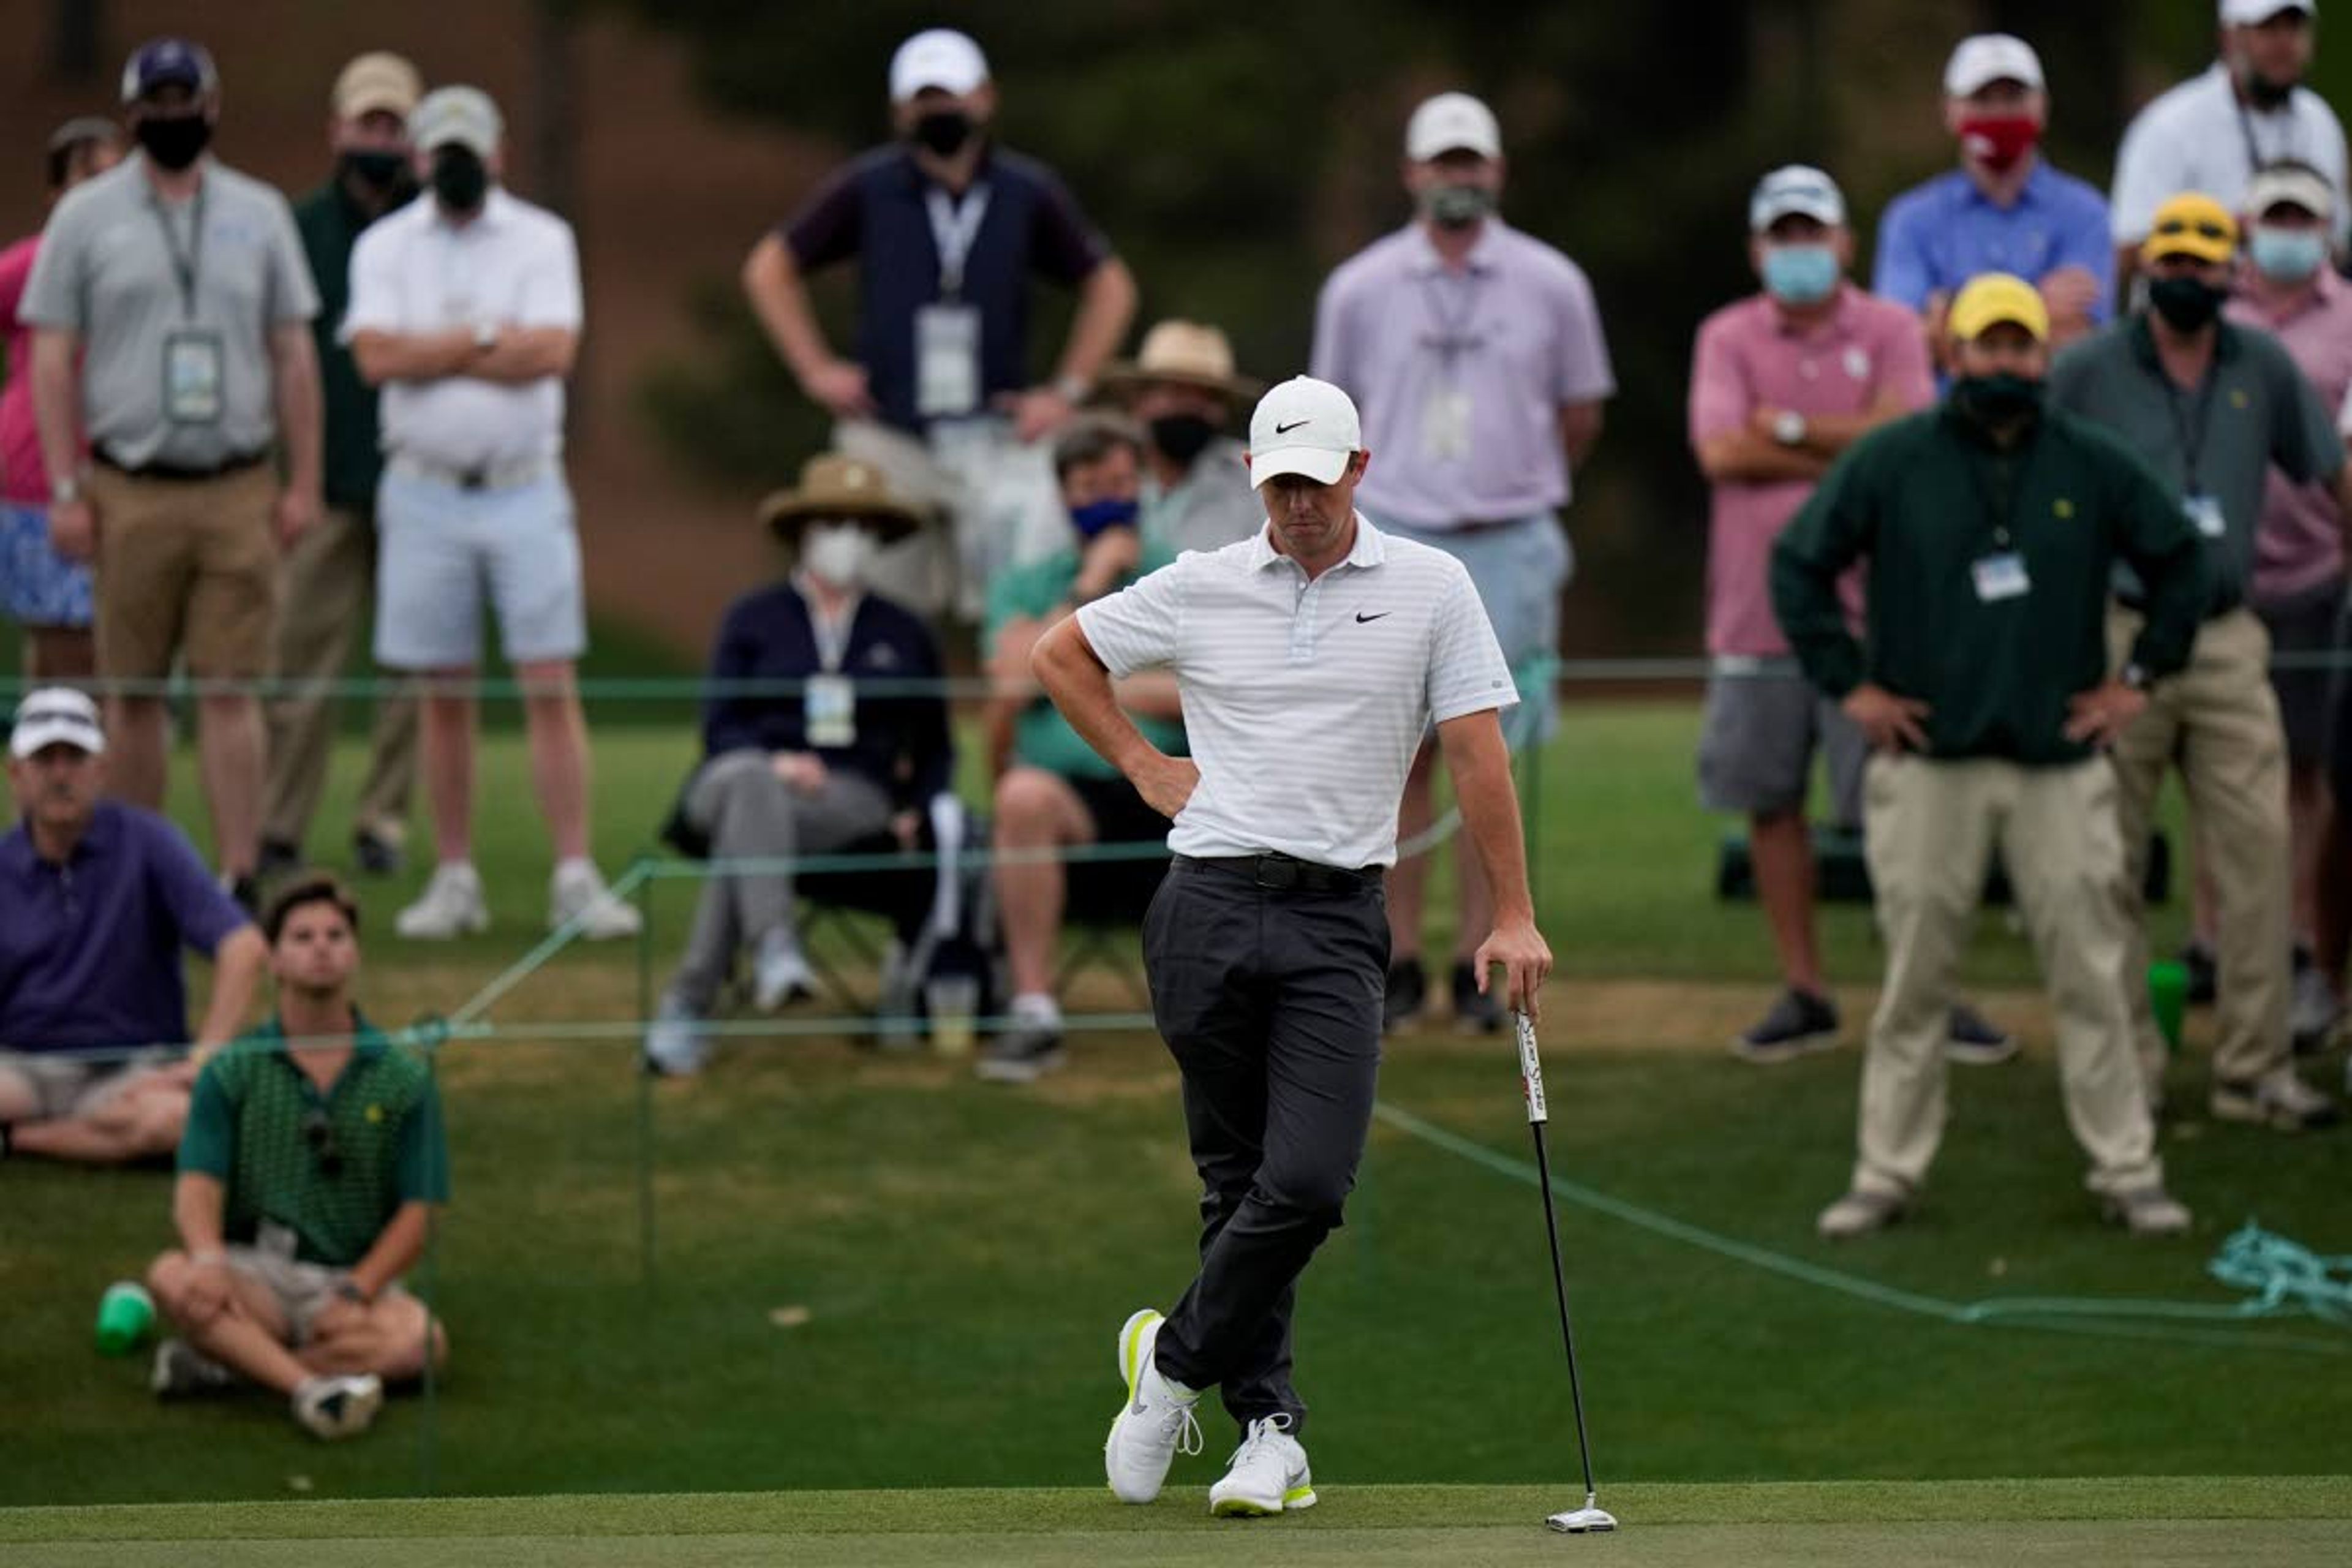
(2255,162)
(186,263)
(832,634)
(1450,309)
(2016,467)
(955,225)
(2190,427)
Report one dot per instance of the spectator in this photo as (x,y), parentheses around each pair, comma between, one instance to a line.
(1183,390)
(312,1165)
(1476,355)
(810,773)
(46,594)
(2288,289)
(195,369)
(1781,382)
(2211,406)
(2215,132)
(1990,527)
(329,577)
(947,229)
(2004,210)
(97,899)
(465,309)
(1054,791)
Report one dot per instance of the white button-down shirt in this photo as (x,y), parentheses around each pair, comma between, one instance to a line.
(515,265)
(2198,137)
(1303,702)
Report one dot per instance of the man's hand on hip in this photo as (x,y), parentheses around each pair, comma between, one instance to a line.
(841,387)
(2101,714)
(1891,723)
(296,514)
(1525,958)
(73,530)
(1167,782)
(1037,413)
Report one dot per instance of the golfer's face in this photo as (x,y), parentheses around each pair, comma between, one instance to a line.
(316,949)
(1309,519)
(56,786)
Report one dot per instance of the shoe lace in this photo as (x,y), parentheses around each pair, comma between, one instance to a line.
(1262,1434)
(1177,1422)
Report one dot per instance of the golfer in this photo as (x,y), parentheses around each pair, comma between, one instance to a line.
(1312,658)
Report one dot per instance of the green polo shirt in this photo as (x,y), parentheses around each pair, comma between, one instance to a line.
(1920,500)
(329,223)
(1041,736)
(333,1168)
(2255,408)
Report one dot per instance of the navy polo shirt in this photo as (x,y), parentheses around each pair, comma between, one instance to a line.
(89,950)
(874,209)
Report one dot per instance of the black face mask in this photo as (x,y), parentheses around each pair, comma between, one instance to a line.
(177,142)
(944,130)
(377,171)
(1180,437)
(1999,399)
(2187,304)
(460,179)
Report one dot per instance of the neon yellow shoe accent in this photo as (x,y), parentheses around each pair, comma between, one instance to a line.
(1298,1496)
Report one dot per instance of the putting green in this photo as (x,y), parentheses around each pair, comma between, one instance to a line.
(2258,1521)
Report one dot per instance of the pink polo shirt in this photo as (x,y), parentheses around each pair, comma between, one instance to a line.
(2299,546)
(1749,356)
(23,476)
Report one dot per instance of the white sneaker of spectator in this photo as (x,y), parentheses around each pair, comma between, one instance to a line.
(452,906)
(676,1044)
(781,973)
(577,893)
(331,1407)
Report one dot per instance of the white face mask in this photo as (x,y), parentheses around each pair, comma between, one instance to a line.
(837,552)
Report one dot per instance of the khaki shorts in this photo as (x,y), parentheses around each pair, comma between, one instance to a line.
(186,564)
(300,1290)
(65,1087)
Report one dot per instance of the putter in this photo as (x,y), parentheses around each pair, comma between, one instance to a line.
(1592,1519)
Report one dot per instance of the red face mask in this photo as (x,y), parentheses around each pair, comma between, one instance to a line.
(1997,141)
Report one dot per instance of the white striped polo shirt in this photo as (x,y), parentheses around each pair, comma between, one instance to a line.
(1303,702)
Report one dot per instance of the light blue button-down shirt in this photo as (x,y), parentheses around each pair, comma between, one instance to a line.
(1936,237)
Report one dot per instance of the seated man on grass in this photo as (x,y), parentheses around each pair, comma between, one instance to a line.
(97,902)
(1053,793)
(313,1161)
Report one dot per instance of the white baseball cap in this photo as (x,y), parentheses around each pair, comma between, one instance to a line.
(2252,13)
(2292,184)
(940,58)
(1304,427)
(55,715)
(1452,121)
(1989,57)
(1795,188)
(456,117)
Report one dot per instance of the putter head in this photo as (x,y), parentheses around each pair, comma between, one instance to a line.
(1586,1520)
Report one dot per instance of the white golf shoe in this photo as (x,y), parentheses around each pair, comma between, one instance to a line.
(332,1407)
(453,906)
(1266,1474)
(576,892)
(1154,1424)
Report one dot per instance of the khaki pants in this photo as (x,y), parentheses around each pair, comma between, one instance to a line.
(327,587)
(2218,722)
(1928,829)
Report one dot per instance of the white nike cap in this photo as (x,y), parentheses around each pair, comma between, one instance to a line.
(54,715)
(2254,13)
(940,58)
(1449,121)
(1989,57)
(1304,427)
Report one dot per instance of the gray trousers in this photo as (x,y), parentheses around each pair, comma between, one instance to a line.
(749,813)
(1270,1001)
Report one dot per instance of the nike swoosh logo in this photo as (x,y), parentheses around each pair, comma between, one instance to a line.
(1286,429)
(1362,617)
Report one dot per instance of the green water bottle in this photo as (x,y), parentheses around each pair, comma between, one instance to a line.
(125,1314)
(2167,998)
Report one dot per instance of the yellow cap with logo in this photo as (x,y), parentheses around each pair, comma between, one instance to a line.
(2191,223)
(1992,298)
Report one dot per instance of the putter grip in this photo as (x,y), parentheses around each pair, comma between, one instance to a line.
(1531,1072)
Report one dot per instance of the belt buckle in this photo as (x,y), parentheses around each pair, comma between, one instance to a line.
(1277,872)
(473,479)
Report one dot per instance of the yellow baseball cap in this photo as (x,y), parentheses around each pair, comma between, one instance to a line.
(2191,223)
(1992,298)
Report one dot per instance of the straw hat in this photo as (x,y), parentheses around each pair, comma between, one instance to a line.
(832,487)
(1187,352)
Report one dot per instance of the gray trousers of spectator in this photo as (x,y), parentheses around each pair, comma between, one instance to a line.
(749,813)
(1270,1001)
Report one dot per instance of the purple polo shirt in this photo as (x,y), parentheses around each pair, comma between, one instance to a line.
(2299,544)
(89,951)
(1517,334)
(1866,351)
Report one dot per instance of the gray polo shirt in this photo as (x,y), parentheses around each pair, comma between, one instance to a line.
(2254,409)
(106,272)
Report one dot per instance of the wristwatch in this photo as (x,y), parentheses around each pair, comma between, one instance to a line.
(486,336)
(349,1290)
(2135,676)
(1789,427)
(1070,389)
(65,491)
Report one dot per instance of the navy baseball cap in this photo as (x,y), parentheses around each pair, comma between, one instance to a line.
(160,63)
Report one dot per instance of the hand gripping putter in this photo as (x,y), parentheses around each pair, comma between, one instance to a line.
(1591,1518)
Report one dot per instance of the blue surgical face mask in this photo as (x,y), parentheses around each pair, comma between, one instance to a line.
(1097,515)
(2288,255)
(1799,274)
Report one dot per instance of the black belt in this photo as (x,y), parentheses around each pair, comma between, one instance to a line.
(1284,873)
(2215,608)
(180,473)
